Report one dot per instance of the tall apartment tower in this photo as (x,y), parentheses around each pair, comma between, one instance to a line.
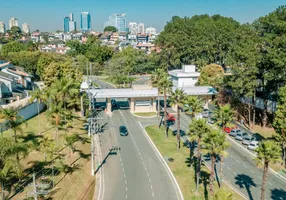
(85,21)
(13,22)
(25,28)
(118,21)
(66,24)
(2,27)
(133,28)
(141,28)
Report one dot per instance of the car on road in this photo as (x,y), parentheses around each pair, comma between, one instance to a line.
(171,117)
(207,113)
(212,120)
(113,103)
(246,140)
(239,136)
(228,129)
(123,131)
(233,132)
(253,145)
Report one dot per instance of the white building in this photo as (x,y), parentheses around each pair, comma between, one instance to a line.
(25,28)
(133,28)
(141,28)
(72,26)
(13,22)
(151,31)
(2,27)
(186,77)
(71,17)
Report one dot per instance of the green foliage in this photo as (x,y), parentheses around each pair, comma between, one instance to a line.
(110,28)
(279,123)
(224,115)
(198,129)
(211,75)
(222,194)
(268,152)
(193,105)
(12,47)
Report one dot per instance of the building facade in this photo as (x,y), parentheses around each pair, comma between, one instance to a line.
(13,22)
(26,28)
(2,27)
(185,77)
(141,28)
(118,21)
(85,21)
(66,24)
(151,31)
(133,28)
(72,26)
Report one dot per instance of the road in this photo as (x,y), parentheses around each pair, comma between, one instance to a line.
(135,171)
(239,170)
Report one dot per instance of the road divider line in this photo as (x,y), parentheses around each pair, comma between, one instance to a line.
(252,171)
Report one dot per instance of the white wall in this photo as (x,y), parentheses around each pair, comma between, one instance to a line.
(187,82)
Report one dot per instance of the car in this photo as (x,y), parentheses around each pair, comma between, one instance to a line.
(212,120)
(233,132)
(253,145)
(123,131)
(171,117)
(246,140)
(113,103)
(229,129)
(256,137)
(207,114)
(239,136)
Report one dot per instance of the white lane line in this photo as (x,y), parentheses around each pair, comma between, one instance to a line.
(151,187)
(126,189)
(153,194)
(124,175)
(252,171)
(270,183)
(228,168)
(237,161)
(235,173)
(121,164)
(147,174)
(149,180)
(123,170)
(244,166)
(231,156)
(125,182)
(126,196)
(145,168)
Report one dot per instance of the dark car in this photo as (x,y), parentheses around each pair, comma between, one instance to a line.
(113,103)
(123,131)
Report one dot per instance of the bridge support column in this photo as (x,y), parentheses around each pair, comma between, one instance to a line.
(108,106)
(132,105)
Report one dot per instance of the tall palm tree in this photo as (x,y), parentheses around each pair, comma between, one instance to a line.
(213,145)
(193,105)
(178,98)
(197,129)
(224,115)
(166,86)
(70,141)
(268,152)
(155,78)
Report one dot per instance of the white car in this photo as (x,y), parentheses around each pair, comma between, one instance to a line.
(233,132)
(239,136)
(246,140)
(253,145)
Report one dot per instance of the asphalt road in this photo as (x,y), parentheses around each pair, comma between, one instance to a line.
(135,171)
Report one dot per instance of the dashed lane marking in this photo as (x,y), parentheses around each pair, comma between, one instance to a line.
(252,171)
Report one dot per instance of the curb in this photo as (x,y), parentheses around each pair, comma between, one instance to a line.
(171,175)
(144,117)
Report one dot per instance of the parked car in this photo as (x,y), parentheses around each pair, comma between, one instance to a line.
(171,117)
(256,137)
(246,140)
(228,129)
(207,114)
(212,120)
(233,132)
(239,136)
(253,145)
(123,131)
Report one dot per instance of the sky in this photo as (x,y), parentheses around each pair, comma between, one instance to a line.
(47,15)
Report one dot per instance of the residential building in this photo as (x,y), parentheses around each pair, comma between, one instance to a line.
(23,79)
(133,28)
(185,77)
(147,47)
(118,21)
(141,28)
(2,27)
(77,36)
(67,37)
(142,38)
(122,36)
(35,37)
(66,24)
(85,21)
(71,17)
(62,50)
(25,28)
(132,38)
(13,22)
(151,31)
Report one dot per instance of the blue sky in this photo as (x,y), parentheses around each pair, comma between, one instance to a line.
(47,15)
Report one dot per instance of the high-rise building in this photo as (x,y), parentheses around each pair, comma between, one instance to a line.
(71,17)
(66,24)
(118,21)
(151,31)
(2,27)
(72,26)
(133,28)
(25,28)
(13,22)
(141,28)
(85,21)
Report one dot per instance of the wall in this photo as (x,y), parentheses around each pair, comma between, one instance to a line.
(187,82)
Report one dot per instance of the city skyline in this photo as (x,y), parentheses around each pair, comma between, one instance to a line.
(242,11)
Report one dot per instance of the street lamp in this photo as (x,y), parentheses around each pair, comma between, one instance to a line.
(83,88)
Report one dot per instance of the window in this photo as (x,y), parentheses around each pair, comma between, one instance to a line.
(142,103)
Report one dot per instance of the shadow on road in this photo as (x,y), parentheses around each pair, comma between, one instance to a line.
(112,151)
(246,182)
(278,194)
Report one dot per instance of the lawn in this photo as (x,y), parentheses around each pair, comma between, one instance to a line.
(76,181)
(146,114)
(181,166)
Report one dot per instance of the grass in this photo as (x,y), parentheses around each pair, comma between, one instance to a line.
(78,182)
(145,114)
(265,132)
(180,167)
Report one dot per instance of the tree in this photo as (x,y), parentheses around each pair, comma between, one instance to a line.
(193,105)
(214,143)
(267,152)
(198,128)
(222,194)
(224,115)
(279,123)
(155,78)
(177,99)
(12,47)
(211,75)
(110,28)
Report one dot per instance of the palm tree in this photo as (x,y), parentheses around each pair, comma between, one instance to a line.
(224,115)
(268,152)
(213,145)
(155,78)
(222,194)
(197,129)
(193,105)
(178,98)
(166,85)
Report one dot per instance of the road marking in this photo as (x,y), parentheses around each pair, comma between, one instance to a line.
(270,183)
(235,173)
(124,175)
(153,194)
(252,171)
(147,174)
(126,196)
(149,159)
(231,156)
(151,187)
(244,166)
(145,168)
(121,164)
(123,170)
(228,168)
(237,161)
(260,177)
(126,189)
(149,180)
(125,182)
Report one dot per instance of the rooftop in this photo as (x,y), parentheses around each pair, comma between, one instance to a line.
(198,90)
(17,71)
(185,72)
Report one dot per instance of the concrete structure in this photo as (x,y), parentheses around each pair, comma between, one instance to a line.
(26,28)
(85,21)
(133,28)
(141,98)
(141,28)
(2,27)
(151,31)
(13,22)
(186,77)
